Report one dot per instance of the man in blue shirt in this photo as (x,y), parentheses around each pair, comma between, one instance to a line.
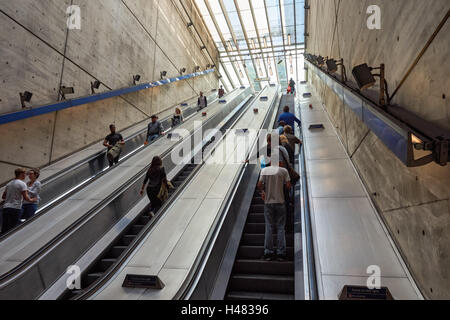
(289,118)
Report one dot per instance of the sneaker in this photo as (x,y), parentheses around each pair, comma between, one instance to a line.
(281,257)
(267,257)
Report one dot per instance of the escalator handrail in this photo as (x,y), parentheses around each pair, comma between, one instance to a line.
(306,222)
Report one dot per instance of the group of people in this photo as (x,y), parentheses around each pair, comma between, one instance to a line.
(276,185)
(20,198)
(115,142)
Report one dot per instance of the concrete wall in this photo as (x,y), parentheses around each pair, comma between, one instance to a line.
(414,202)
(118,39)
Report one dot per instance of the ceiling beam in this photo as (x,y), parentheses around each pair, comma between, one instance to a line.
(222,39)
(284,42)
(233,35)
(252,10)
(238,10)
(271,42)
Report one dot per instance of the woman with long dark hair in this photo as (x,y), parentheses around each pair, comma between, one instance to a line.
(155,177)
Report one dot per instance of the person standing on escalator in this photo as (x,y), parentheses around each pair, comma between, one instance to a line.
(202,102)
(114,142)
(155,177)
(221,92)
(15,193)
(272,184)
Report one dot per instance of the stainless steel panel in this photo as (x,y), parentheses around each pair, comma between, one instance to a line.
(325,148)
(350,239)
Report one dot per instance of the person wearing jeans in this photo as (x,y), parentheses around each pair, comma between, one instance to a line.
(272,184)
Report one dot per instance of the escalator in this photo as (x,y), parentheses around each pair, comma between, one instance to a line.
(48,256)
(142,223)
(121,244)
(67,182)
(256,279)
(253,278)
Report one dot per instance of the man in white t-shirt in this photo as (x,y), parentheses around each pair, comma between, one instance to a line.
(15,193)
(272,185)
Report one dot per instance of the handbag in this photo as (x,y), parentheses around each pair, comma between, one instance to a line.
(163,194)
(114,152)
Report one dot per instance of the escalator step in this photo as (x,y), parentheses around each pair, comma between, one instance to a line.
(127,239)
(256,218)
(256,252)
(257,208)
(176,184)
(105,264)
(257,200)
(242,295)
(264,267)
(255,228)
(250,239)
(116,251)
(136,229)
(262,283)
(91,278)
(144,220)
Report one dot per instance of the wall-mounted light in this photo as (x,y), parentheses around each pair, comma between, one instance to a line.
(63,90)
(95,85)
(163,74)
(25,97)
(332,66)
(182,71)
(365,79)
(136,79)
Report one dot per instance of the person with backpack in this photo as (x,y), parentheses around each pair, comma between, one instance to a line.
(15,192)
(292,85)
(114,142)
